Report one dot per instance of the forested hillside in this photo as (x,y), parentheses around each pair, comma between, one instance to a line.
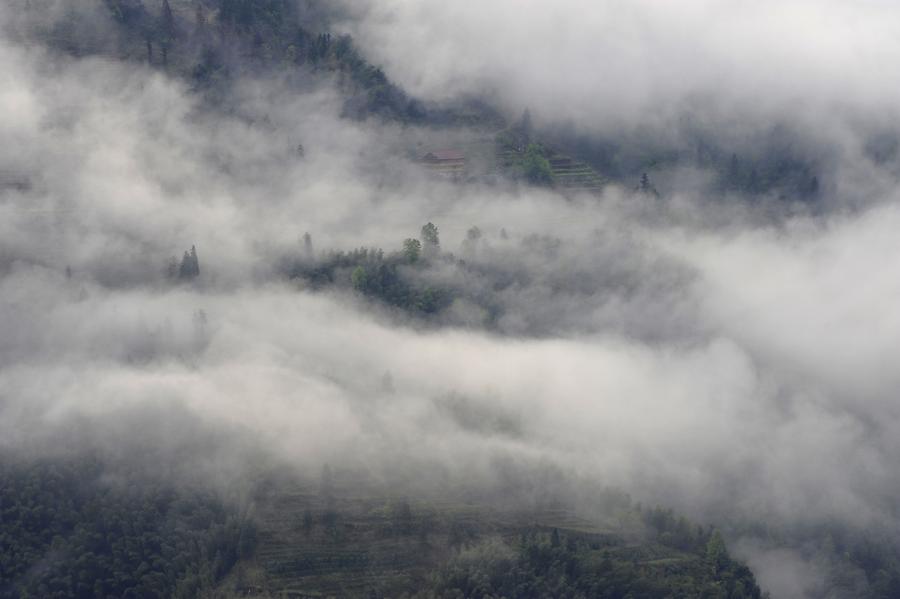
(213,42)
(73,527)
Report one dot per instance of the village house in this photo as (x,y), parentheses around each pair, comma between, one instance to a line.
(445,162)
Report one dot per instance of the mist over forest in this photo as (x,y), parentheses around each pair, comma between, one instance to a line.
(407,298)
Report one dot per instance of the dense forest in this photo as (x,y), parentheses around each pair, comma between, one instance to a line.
(552,565)
(82,527)
(74,527)
(213,42)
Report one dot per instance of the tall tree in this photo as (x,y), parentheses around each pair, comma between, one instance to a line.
(526,129)
(167,31)
(195,262)
(184,271)
(412,250)
(431,242)
(716,554)
(359,278)
(470,243)
(190,265)
(646,187)
(536,167)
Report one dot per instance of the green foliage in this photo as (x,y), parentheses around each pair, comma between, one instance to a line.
(373,274)
(716,554)
(69,532)
(360,278)
(675,532)
(220,39)
(190,265)
(778,172)
(271,24)
(535,167)
(431,237)
(545,565)
(412,250)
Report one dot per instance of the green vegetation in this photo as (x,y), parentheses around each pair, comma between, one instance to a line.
(535,167)
(431,240)
(188,269)
(390,279)
(539,165)
(74,528)
(412,250)
(210,43)
(345,541)
(568,566)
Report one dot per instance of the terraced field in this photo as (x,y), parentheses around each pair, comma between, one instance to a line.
(342,544)
(314,544)
(569,174)
(574,175)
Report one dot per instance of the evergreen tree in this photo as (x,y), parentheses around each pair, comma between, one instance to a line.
(526,128)
(167,32)
(430,240)
(716,553)
(195,263)
(190,265)
(646,187)
(470,243)
(359,278)
(184,271)
(412,249)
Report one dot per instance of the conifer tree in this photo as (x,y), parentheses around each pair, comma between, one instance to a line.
(431,243)
(167,31)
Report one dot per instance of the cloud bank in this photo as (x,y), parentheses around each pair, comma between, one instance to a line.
(738,371)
